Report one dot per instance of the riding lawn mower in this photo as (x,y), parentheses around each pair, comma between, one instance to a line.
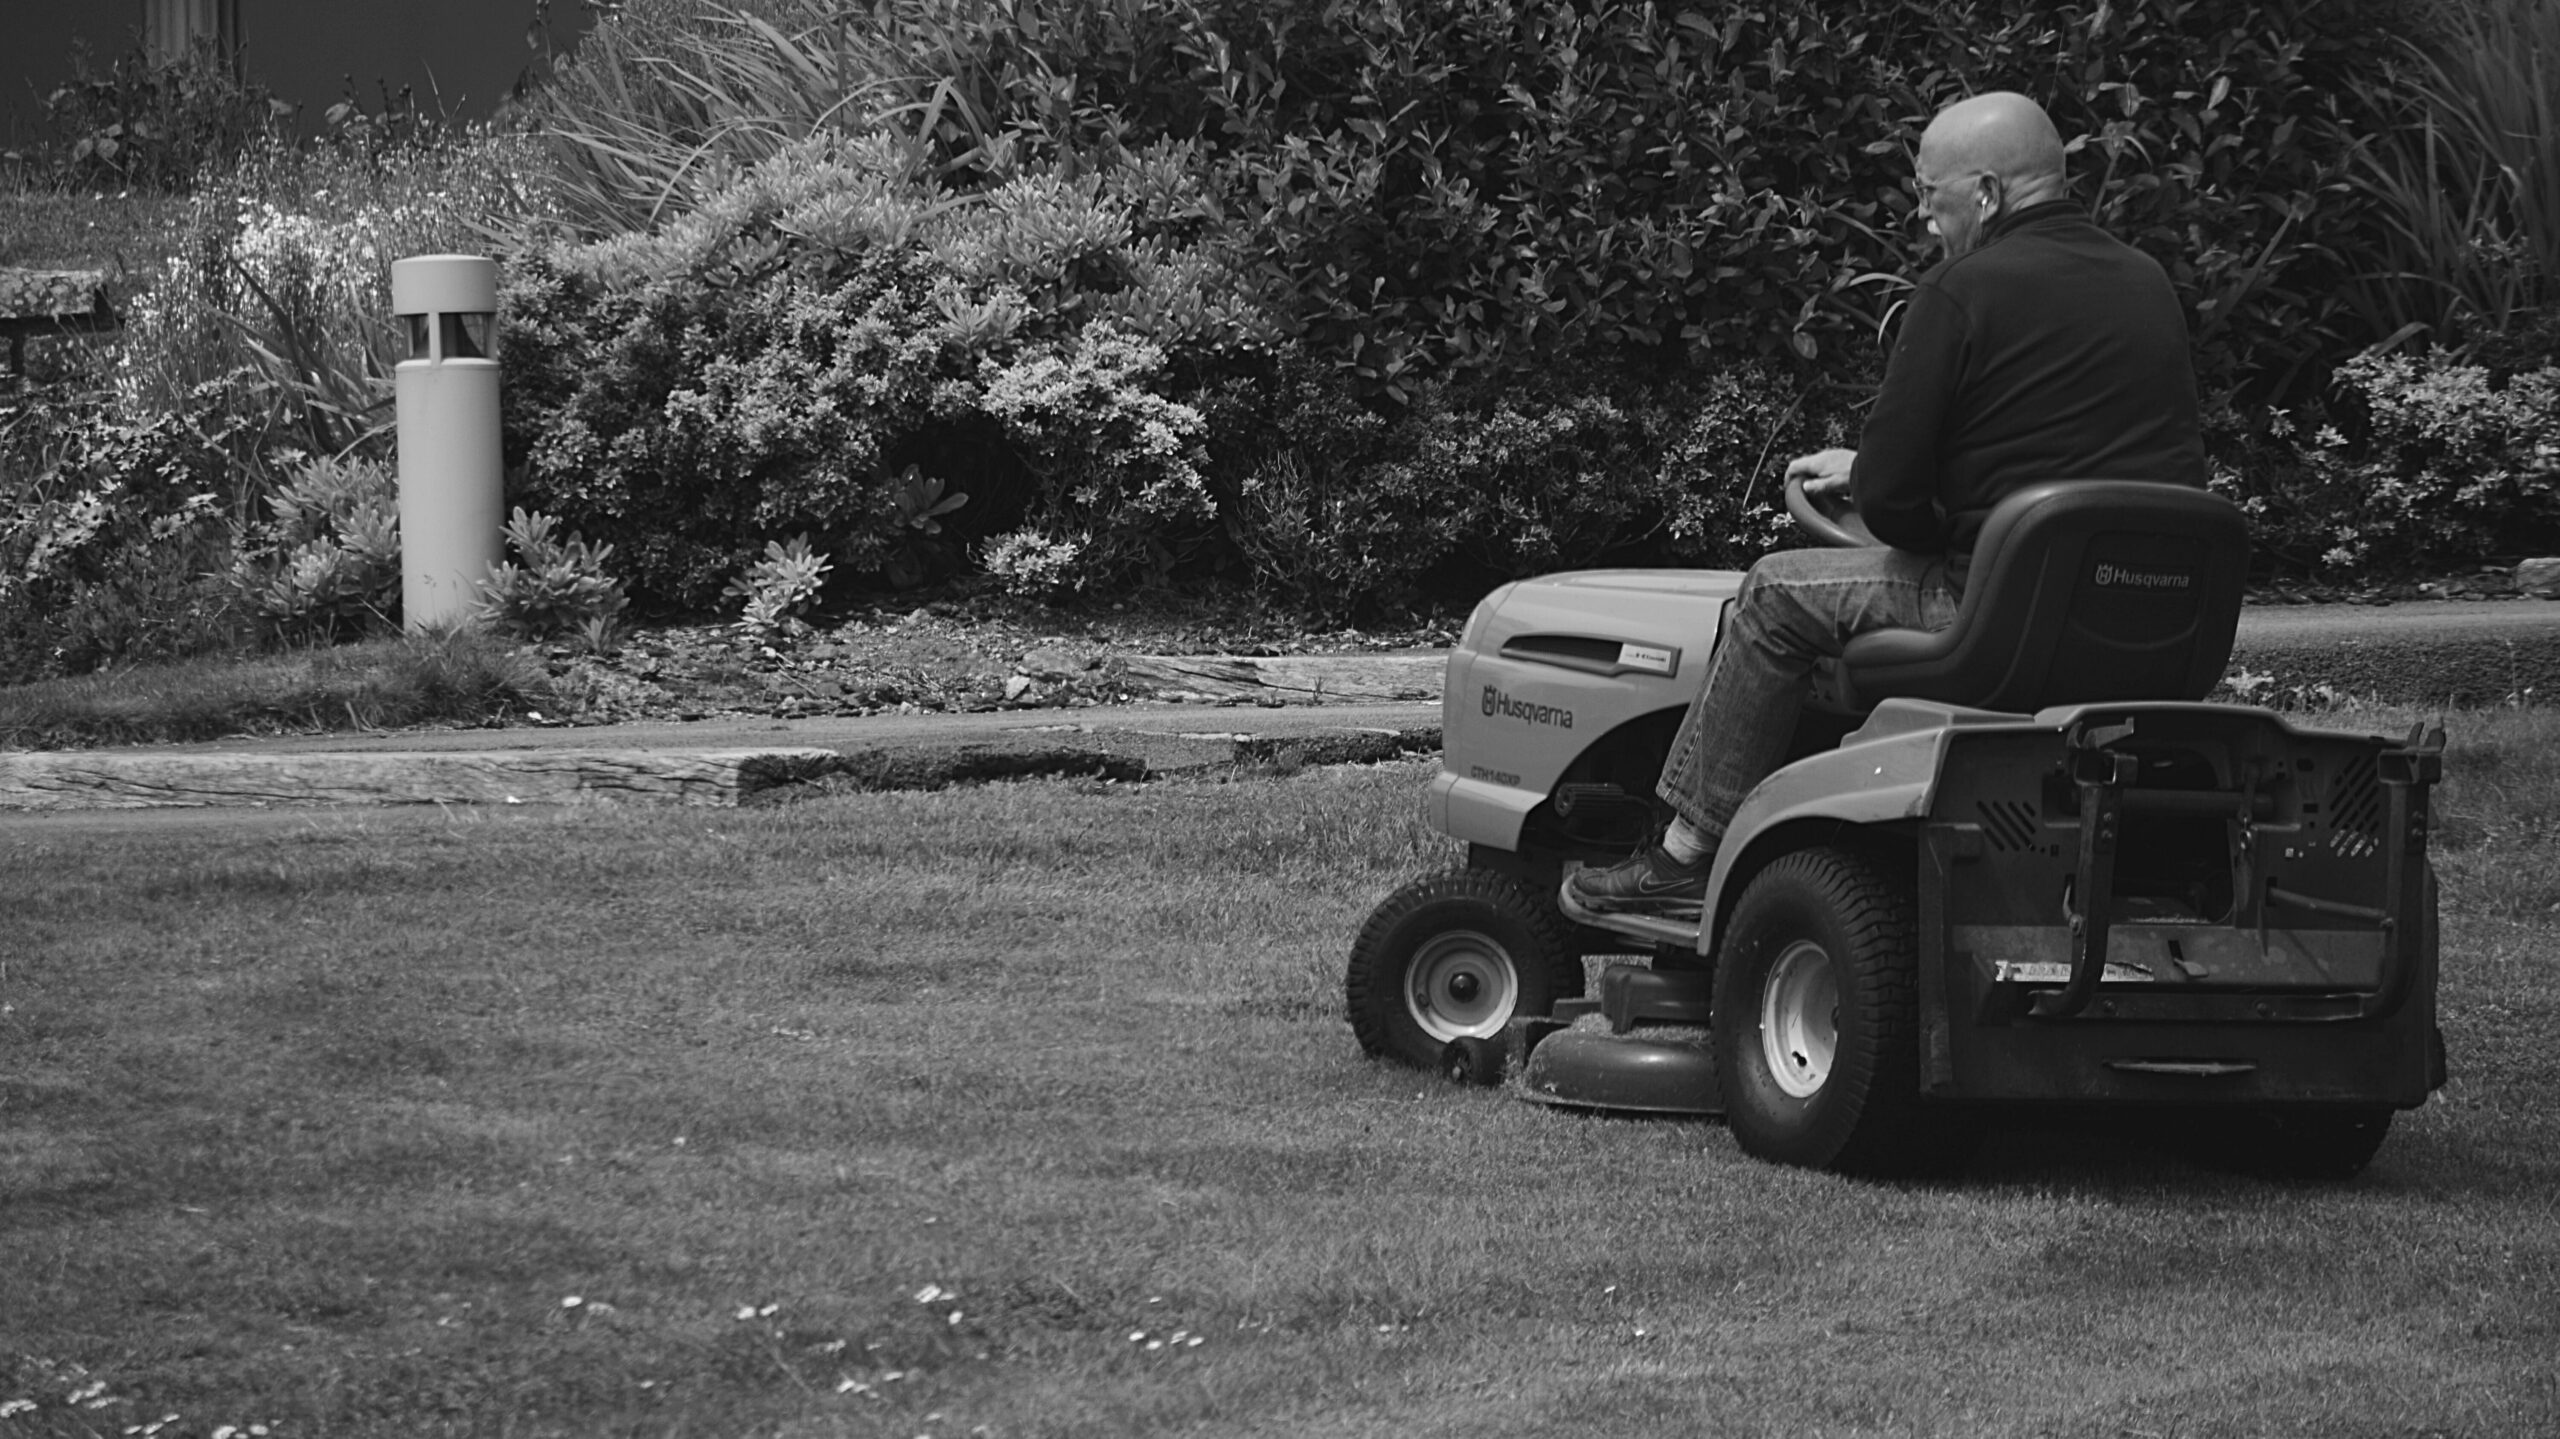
(2014,866)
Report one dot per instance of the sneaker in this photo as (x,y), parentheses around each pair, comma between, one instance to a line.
(1652,883)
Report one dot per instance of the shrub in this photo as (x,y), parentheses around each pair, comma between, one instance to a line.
(1490,185)
(108,531)
(325,565)
(777,361)
(552,586)
(1348,513)
(2419,460)
(780,588)
(1116,459)
(1434,205)
(1031,565)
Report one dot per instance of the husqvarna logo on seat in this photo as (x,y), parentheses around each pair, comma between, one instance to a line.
(1498,705)
(2119,577)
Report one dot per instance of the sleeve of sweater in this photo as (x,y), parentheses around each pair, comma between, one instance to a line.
(1895,482)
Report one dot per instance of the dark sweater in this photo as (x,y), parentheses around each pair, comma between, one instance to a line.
(2051,351)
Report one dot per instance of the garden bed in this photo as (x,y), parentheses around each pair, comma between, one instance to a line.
(968,654)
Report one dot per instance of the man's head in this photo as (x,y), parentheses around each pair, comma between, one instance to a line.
(1983,158)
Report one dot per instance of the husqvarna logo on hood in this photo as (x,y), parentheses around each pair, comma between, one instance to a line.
(1498,705)
(2119,577)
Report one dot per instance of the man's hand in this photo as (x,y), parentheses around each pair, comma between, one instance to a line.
(1825,472)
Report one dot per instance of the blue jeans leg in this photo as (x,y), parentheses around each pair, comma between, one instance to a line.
(1795,607)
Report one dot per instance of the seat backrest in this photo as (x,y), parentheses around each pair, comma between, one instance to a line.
(2079,591)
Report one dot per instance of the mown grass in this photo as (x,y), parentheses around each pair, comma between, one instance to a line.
(464,677)
(970,1113)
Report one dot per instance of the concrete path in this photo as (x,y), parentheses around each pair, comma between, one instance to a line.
(2445,652)
(2429,653)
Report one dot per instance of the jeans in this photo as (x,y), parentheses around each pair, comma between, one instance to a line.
(1795,607)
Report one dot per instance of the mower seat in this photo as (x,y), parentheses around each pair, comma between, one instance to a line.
(2079,591)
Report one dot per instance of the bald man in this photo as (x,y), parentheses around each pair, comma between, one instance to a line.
(2038,348)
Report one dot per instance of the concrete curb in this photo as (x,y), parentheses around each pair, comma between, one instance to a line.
(112,780)
(108,780)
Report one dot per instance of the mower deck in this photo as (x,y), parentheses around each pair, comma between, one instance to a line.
(1642,1047)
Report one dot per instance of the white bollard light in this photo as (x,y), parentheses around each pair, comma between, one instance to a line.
(452,480)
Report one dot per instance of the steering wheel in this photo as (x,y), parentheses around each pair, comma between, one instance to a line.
(1829,519)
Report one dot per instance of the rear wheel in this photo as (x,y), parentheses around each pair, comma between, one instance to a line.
(1816,1019)
(1455,956)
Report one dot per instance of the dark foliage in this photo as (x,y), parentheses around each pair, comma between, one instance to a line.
(140,124)
(1491,185)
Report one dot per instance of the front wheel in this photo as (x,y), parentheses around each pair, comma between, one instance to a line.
(1816,1019)
(1455,956)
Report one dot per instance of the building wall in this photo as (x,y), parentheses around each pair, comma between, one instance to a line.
(458,56)
(171,27)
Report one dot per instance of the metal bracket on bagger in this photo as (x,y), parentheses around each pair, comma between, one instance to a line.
(2101,775)
(2409,773)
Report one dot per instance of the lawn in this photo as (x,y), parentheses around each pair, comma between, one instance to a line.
(1029,1110)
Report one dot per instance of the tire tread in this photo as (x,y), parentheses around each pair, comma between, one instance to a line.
(1377,944)
(1891,1130)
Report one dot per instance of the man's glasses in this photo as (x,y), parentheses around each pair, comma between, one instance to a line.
(1928,189)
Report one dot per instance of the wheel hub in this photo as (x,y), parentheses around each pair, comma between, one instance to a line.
(1461,985)
(1800,1019)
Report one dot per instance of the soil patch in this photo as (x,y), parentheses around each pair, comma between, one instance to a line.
(972,654)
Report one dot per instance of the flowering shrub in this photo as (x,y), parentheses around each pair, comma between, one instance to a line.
(1033,566)
(107,529)
(774,362)
(1722,466)
(2429,461)
(1117,460)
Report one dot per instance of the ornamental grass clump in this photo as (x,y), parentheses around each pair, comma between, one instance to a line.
(2463,192)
